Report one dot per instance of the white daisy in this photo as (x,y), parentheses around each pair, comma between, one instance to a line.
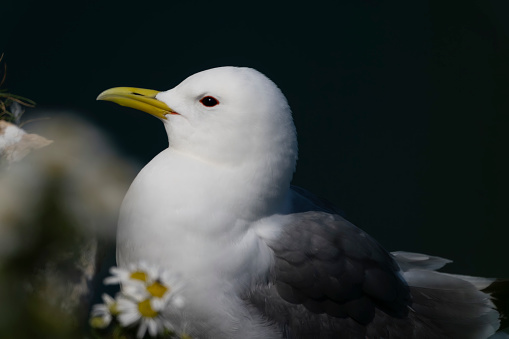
(164,287)
(144,281)
(101,314)
(147,313)
(147,292)
(135,273)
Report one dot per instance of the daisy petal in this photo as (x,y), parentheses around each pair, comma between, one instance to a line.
(152,327)
(141,330)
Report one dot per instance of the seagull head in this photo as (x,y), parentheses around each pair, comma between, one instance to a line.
(227,116)
(222,115)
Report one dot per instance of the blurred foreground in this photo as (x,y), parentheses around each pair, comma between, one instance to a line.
(58,208)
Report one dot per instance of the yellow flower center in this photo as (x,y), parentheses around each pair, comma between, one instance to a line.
(113,309)
(146,310)
(98,322)
(139,275)
(157,289)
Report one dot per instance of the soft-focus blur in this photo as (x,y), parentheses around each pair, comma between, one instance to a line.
(58,211)
(400,106)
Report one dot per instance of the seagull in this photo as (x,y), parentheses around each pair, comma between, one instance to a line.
(262,258)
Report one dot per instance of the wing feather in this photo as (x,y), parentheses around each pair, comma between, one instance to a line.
(332,280)
(330,266)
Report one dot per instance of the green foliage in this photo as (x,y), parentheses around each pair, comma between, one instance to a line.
(7,99)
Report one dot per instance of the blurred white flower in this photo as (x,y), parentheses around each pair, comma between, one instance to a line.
(149,297)
(147,313)
(101,314)
(146,281)
(15,143)
(80,170)
(135,273)
(56,203)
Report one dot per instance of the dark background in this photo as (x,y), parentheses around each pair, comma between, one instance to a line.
(401,107)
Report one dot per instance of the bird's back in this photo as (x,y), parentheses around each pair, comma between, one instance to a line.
(332,280)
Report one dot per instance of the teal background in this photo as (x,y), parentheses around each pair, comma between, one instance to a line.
(401,107)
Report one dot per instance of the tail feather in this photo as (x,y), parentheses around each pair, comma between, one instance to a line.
(457,306)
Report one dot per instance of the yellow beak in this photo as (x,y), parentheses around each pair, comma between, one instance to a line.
(137,98)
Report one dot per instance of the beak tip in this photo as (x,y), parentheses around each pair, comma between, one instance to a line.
(101,96)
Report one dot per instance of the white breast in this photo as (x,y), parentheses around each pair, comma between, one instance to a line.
(198,231)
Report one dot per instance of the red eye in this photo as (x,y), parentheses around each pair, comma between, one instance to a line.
(209,101)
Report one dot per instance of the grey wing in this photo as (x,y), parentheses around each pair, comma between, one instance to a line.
(332,280)
(330,266)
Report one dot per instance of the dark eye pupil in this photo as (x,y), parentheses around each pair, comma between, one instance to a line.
(209,101)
